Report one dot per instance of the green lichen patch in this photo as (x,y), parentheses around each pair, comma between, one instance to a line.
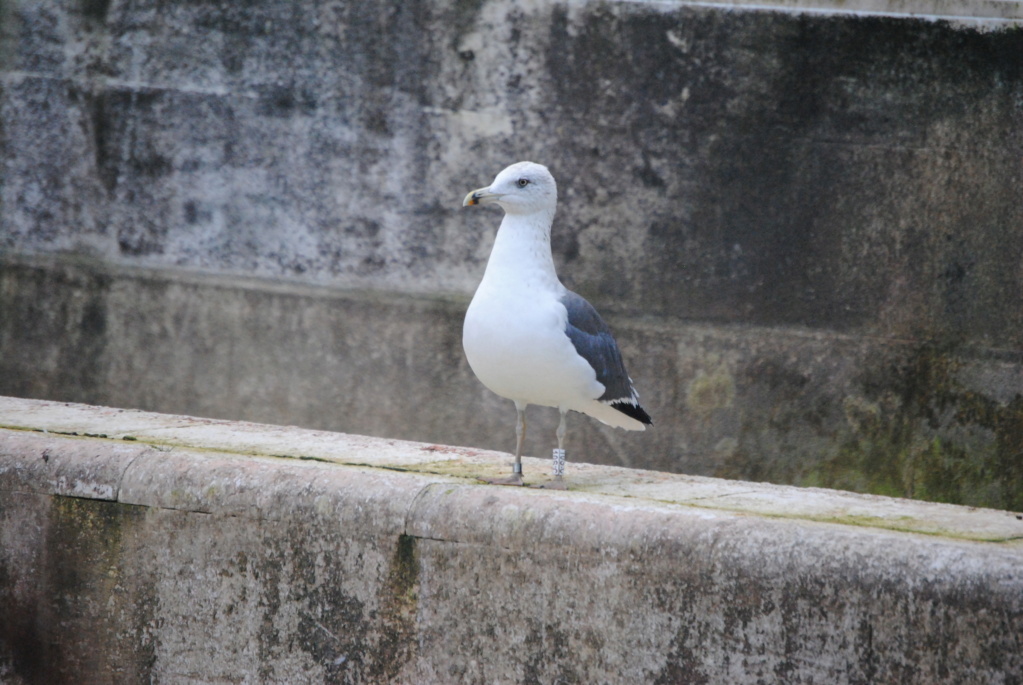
(399,602)
(90,590)
(711,390)
(915,431)
(455,467)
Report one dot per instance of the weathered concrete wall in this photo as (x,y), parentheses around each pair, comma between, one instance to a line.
(806,227)
(155,548)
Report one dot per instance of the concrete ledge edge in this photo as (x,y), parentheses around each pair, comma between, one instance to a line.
(137,457)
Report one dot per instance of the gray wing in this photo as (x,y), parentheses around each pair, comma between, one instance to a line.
(594,343)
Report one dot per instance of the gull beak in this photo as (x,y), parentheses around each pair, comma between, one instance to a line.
(482,196)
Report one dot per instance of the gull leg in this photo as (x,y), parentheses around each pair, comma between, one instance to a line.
(558,458)
(520,435)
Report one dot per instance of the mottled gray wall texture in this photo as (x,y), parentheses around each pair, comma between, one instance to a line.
(124,563)
(806,229)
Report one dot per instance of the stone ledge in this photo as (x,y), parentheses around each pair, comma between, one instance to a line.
(175,549)
(145,431)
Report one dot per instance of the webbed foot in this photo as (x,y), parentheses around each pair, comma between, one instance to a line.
(514,479)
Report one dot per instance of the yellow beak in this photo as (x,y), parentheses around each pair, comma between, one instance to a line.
(482,196)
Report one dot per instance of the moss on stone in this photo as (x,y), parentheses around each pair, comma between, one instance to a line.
(917,432)
(89,588)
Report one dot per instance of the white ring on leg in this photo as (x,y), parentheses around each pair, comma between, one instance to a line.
(558,465)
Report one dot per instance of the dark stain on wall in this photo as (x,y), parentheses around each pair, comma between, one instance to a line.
(84,590)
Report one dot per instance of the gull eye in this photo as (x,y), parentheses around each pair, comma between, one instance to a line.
(522,182)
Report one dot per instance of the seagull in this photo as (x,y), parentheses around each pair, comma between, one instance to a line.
(530,339)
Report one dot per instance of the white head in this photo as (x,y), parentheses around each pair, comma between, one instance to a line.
(522,188)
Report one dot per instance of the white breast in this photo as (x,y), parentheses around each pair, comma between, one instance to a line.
(514,334)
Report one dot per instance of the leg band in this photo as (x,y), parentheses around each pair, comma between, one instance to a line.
(559,462)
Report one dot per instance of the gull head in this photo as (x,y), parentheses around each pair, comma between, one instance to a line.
(522,188)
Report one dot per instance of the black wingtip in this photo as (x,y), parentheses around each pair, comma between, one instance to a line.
(634,411)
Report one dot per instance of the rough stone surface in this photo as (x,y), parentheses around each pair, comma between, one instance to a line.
(165,433)
(806,227)
(189,556)
(772,168)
